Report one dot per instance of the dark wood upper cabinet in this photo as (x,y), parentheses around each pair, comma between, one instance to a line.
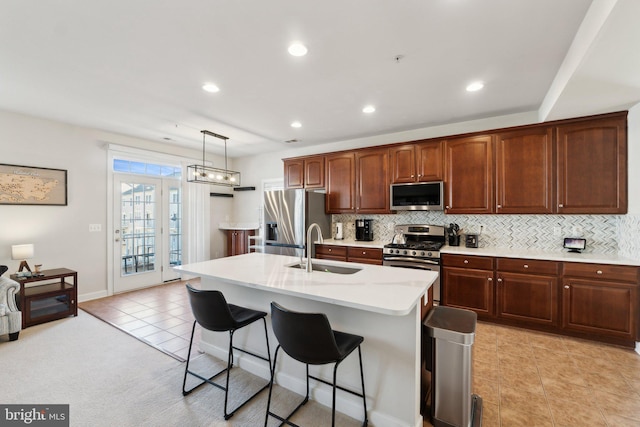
(403,163)
(417,162)
(294,173)
(314,172)
(469,175)
(592,166)
(304,173)
(525,171)
(340,180)
(372,181)
(358,181)
(574,166)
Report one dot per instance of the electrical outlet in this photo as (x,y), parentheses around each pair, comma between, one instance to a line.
(557,231)
(95,228)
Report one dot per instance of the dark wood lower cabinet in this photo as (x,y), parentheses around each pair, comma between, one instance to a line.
(592,301)
(364,255)
(599,307)
(468,288)
(527,298)
(350,254)
(238,241)
(332,252)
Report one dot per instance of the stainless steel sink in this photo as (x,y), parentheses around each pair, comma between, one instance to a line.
(327,268)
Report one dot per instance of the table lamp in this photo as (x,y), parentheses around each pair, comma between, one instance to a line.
(22,253)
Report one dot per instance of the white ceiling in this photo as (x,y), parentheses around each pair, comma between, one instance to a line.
(137,67)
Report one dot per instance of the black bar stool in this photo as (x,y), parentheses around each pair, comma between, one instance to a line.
(308,338)
(214,314)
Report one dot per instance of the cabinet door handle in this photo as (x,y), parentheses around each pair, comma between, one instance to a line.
(412,176)
(499,280)
(599,272)
(489,279)
(330,249)
(566,286)
(466,261)
(526,266)
(561,205)
(499,206)
(419,175)
(364,253)
(446,207)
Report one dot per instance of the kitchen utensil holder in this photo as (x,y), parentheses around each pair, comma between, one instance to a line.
(454,240)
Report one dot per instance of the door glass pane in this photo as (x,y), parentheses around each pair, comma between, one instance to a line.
(138,227)
(175,226)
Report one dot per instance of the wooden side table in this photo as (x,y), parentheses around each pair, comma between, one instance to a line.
(51,296)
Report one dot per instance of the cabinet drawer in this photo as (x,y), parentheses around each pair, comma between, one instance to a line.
(465,261)
(528,266)
(364,253)
(618,273)
(332,250)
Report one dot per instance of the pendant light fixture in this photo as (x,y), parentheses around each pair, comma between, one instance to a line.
(209,175)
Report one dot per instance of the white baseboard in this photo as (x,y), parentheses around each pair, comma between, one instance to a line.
(92,295)
(321,393)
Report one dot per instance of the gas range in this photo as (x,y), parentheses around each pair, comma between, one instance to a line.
(416,246)
(426,249)
(420,241)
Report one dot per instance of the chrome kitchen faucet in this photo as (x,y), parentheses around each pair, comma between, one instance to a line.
(320,239)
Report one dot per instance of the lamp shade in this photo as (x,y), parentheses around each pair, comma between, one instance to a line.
(22,252)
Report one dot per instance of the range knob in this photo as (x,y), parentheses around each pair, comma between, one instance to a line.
(404,252)
(397,251)
(429,254)
(414,253)
(422,253)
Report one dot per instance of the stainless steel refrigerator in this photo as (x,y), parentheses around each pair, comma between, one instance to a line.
(287,216)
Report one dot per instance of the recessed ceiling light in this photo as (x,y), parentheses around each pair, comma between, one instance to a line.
(210,87)
(297,49)
(475,86)
(369,109)
(296,125)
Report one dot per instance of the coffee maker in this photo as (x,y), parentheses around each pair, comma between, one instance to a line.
(364,229)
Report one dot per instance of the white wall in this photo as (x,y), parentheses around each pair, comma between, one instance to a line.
(61,233)
(633,129)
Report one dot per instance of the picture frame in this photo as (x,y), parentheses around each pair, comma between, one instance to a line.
(28,185)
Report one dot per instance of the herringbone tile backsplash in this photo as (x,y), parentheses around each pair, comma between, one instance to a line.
(606,234)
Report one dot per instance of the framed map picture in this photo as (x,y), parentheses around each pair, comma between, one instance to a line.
(25,185)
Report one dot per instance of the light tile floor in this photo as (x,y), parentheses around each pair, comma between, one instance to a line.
(525,378)
(160,316)
(533,379)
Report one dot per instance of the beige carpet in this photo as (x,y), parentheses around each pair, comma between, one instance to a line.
(111,379)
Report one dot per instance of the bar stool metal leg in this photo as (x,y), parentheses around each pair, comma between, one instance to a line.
(227,369)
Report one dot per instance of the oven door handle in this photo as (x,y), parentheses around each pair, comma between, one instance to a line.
(421,261)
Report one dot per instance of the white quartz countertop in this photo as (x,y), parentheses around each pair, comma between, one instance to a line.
(350,242)
(541,255)
(385,290)
(238,226)
(508,253)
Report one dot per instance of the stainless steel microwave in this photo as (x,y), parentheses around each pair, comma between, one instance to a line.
(417,196)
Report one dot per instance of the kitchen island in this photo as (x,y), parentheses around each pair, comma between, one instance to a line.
(380,303)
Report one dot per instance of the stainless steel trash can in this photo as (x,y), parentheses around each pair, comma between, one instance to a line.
(452,332)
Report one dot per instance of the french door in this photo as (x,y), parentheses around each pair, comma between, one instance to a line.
(147,231)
